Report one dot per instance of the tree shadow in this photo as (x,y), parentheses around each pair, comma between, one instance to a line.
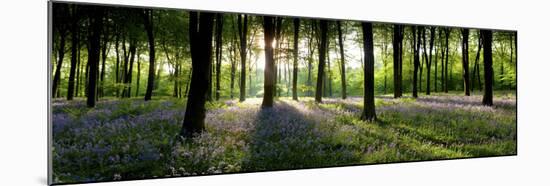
(289,136)
(467,101)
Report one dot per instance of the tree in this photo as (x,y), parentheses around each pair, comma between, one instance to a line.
(424,55)
(148,23)
(465,61)
(322,52)
(201,59)
(219,43)
(75,17)
(445,77)
(61,29)
(94,37)
(369,113)
(342,59)
(295,64)
(416,61)
(243,30)
(397,42)
(487,39)
(128,73)
(429,64)
(269,78)
(476,65)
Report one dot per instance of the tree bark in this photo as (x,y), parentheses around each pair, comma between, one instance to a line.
(243,30)
(269,78)
(465,61)
(201,57)
(429,64)
(446,82)
(487,39)
(61,55)
(322,53)
(342,59)
(74,52)
(96,25)
(104,51)
(219,48)
(295,64)
(416,43)
(369,113)
(148,23)
(397,42)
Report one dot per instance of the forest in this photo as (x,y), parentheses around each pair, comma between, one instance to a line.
(149,93)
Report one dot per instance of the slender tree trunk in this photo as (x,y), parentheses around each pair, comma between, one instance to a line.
(148,23)
(74,54)
(138,75)
(342,59)
(487,39)
(104,51)
(446,82)
(311,48)
(369,113)
(429,64)
(128,78)
(295,64)
(277,53)
(269,79)
(328,76)
(465,61)
(243,30)
(424,56)
(78,70)
(416,43)
(219,48)
(322,53)
(61,55)
(96,25)
(201,57)
(397,42)
(511,57)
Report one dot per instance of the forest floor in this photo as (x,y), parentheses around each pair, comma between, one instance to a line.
(132,139)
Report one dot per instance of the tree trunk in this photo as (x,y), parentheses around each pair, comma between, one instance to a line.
(311,48)
(397,42)
(104,52)
(465,61)
(269,78)
(61,55)
(342,59)
(487,39)
(201,57)
(148,23)
(74,54)
(128,78)
(96,25)
(295,64)
(424,57)
(219,43)
(328,76)
(138,75)
(243,30)
(322,53)
(78,71)
(446,82)
(416,43)
(476,66)
(429,65)
(369,113)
